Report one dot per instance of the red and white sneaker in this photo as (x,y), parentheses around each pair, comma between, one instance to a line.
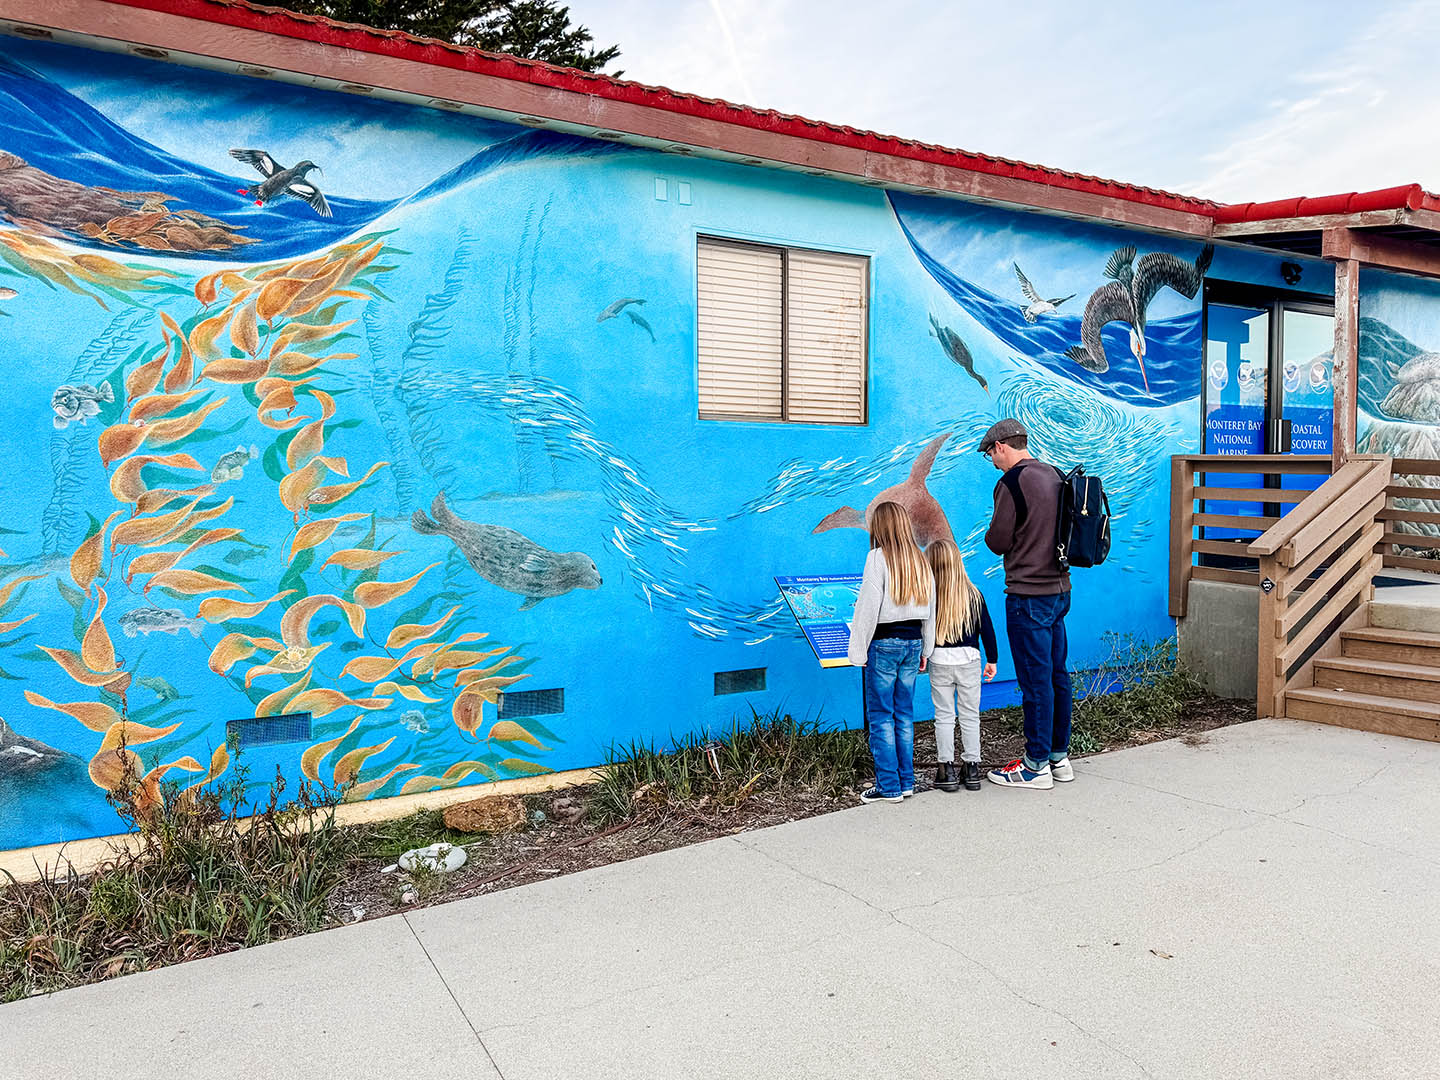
(1016,775)
(1062,771)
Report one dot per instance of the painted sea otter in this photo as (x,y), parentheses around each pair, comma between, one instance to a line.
(913,495)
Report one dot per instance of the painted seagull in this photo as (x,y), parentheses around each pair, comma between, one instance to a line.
(957,351)
(1125,299)
(1038,305)
(280,181)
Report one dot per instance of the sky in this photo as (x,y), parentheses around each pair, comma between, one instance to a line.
(1232,101)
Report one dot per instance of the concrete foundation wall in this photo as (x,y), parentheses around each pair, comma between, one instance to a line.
(1218,639)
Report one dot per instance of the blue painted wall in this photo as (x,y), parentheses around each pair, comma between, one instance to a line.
(442,337)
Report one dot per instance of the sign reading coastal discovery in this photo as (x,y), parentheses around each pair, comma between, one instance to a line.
(823,605)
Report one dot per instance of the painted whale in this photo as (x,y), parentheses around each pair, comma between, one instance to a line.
(505,558)
(913,495)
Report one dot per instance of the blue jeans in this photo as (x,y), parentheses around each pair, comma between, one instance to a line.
(890,673)
(1035,626)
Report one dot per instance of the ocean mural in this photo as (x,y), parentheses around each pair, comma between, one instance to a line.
(1398,387)
(360,441)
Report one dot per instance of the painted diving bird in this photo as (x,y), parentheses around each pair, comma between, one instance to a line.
(957,351)
(1038,305)
(1127,297)
(280,181)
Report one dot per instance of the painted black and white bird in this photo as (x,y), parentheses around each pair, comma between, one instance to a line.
(1127,296)
(278,181)
(957,350)
(1038,304)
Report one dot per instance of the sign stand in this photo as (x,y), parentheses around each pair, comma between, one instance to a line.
(824,605)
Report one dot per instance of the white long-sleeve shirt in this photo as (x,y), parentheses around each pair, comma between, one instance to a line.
(875,605)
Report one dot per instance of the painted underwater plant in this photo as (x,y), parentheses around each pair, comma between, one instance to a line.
(264,340)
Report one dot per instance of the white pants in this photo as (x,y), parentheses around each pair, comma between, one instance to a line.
(955,689)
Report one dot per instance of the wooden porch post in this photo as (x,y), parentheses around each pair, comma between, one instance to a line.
(1346,366)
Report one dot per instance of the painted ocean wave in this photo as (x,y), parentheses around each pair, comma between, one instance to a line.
(1172,346)
(56,132)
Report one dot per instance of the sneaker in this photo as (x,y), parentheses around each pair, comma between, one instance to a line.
(1062,771)
(874,794)
(946,778)
(907,793)
(972,776)
(1016,775)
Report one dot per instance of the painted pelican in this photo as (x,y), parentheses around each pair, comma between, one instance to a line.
(1127,297)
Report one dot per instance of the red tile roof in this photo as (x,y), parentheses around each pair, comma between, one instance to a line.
(396,43)
(1405,197)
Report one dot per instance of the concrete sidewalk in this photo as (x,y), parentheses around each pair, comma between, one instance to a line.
(1259,905)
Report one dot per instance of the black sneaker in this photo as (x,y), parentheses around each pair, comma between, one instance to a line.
(874,794)
(972,776)
(946,778)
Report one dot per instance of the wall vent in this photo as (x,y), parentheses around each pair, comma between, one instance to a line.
(519,703)
(268,730)
(744,681)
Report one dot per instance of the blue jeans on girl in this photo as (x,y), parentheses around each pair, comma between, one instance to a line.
(890,673)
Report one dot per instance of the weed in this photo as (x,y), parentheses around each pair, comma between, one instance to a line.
(209,874)
(391,839)
(1139,687)
(766,753)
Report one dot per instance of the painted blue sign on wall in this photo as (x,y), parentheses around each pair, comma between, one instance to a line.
(823,605)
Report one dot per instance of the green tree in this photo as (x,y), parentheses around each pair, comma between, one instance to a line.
(538,29)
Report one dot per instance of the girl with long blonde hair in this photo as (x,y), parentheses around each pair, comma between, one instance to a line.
(894,626)
(962,624)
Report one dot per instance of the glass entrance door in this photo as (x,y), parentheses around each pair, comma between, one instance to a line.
(1267,384)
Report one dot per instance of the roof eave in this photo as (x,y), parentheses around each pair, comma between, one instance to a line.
(438,76)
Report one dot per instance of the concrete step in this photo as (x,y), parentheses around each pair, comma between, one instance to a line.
(1404,615)
(1397,646)
(1365,712)
(1383,678)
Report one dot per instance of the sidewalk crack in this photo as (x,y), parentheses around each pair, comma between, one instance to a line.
(1018,996)
(445,983)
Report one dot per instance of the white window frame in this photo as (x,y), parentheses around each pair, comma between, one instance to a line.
(784,252)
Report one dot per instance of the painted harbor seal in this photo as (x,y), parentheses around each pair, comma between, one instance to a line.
(913,495)
(505,558)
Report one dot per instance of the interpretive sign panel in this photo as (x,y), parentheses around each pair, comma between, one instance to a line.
(823,605)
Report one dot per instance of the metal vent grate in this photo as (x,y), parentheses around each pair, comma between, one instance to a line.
(744,681)
(268,730)
(519,703)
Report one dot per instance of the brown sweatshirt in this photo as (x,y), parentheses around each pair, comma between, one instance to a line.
(1031,568)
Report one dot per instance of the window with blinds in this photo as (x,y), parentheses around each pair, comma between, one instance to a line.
(783,333)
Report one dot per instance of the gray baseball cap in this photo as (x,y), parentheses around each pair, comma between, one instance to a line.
(1005,429)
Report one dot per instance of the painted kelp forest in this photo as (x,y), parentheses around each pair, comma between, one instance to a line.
(360,441)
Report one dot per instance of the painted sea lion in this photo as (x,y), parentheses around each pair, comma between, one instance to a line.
(505,558)
(913,495)
(53,206)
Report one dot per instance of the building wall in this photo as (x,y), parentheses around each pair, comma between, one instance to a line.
(308,387)
(1398,390)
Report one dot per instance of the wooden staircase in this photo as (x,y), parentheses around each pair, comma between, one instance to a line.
(1384,680)
(1330,649)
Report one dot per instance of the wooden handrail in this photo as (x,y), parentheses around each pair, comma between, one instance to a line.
(1191,480)
(1353,472)
(1317,568)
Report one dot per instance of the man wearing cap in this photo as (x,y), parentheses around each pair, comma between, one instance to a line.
(1037,596)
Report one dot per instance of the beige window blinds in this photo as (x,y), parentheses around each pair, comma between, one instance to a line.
(782,333)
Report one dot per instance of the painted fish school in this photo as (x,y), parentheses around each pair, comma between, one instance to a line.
(412,418)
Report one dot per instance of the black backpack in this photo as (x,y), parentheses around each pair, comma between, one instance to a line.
(1082,523)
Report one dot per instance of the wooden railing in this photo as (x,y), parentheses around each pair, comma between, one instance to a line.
(1410,528)
(1317,553)
(1316,568)
(1201,478)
